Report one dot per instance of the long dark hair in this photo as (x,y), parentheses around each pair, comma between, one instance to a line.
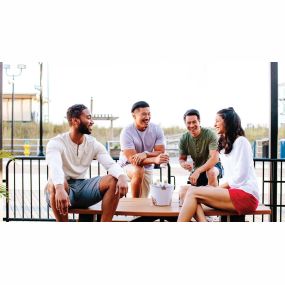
(233,129)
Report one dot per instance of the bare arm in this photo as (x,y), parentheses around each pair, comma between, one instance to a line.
(214,158)
(211,162)
(55,164)
(62,201)
(183,162)
(122,186)
(157,156)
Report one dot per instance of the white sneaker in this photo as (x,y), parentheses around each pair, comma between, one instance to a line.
(212,219)
(209,219)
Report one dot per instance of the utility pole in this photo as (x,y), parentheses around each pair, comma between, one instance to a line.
(13,75)
(41,149)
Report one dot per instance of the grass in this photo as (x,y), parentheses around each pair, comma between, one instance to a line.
(31,130)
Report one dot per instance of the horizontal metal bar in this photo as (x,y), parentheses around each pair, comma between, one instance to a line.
(34,220)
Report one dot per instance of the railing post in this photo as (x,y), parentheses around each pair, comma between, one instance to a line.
(168,173)
(273,138)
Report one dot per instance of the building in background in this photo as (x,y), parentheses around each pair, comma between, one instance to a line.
(28,88)
(26,107)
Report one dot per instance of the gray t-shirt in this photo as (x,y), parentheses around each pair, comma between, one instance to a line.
(132,138)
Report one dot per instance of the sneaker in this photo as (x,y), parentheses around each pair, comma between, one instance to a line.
(209,219)
(212,219)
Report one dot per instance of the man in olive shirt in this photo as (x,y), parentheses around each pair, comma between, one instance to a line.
(201,144)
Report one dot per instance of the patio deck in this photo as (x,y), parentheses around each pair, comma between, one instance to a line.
(27,178)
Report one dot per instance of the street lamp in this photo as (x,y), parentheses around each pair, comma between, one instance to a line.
(40,88)
(7,67)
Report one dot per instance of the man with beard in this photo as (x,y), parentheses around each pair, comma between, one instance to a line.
(201,144)
(69,156)
(143,145)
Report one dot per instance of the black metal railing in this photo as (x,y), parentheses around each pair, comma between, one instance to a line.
(26,178)
(271,174)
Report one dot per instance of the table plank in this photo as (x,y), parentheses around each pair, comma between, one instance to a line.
(144,207)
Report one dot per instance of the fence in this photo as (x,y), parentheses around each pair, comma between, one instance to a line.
(270,174)
(19,145)
(26,177)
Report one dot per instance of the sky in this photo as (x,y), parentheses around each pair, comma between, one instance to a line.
(169,88)
(121,52)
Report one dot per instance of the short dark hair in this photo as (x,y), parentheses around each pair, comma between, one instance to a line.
(191,112)
(74,111)
(139,104)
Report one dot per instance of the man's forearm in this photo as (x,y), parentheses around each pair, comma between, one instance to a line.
(208,165)
(149,160)
(154,154)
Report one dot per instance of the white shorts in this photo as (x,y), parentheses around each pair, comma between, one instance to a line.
(147,180)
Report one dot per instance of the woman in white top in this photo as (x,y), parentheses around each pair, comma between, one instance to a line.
(239,192)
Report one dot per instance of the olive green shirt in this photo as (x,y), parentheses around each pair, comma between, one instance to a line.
(199,147)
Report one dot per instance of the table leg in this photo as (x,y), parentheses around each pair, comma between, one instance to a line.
(235,218)
(86,218)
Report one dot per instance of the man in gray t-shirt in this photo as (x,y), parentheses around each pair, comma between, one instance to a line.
(142,145)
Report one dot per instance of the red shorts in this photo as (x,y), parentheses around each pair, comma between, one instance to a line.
(243,202)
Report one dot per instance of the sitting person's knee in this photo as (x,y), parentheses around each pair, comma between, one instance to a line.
(112,181)
(192,191)
(138,172)
(212,173)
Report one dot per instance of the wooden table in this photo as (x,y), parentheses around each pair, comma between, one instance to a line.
(146,211)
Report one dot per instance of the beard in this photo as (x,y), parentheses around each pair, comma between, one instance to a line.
(83,129)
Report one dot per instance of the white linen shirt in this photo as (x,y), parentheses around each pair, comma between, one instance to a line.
(68,160)
(238,166)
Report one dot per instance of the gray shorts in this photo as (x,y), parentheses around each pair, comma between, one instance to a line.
(83,192)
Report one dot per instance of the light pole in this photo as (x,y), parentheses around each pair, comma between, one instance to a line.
(20,67)
(40,88)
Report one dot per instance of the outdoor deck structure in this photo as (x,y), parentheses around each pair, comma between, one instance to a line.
(27,200)
(27,177)
(106,117)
